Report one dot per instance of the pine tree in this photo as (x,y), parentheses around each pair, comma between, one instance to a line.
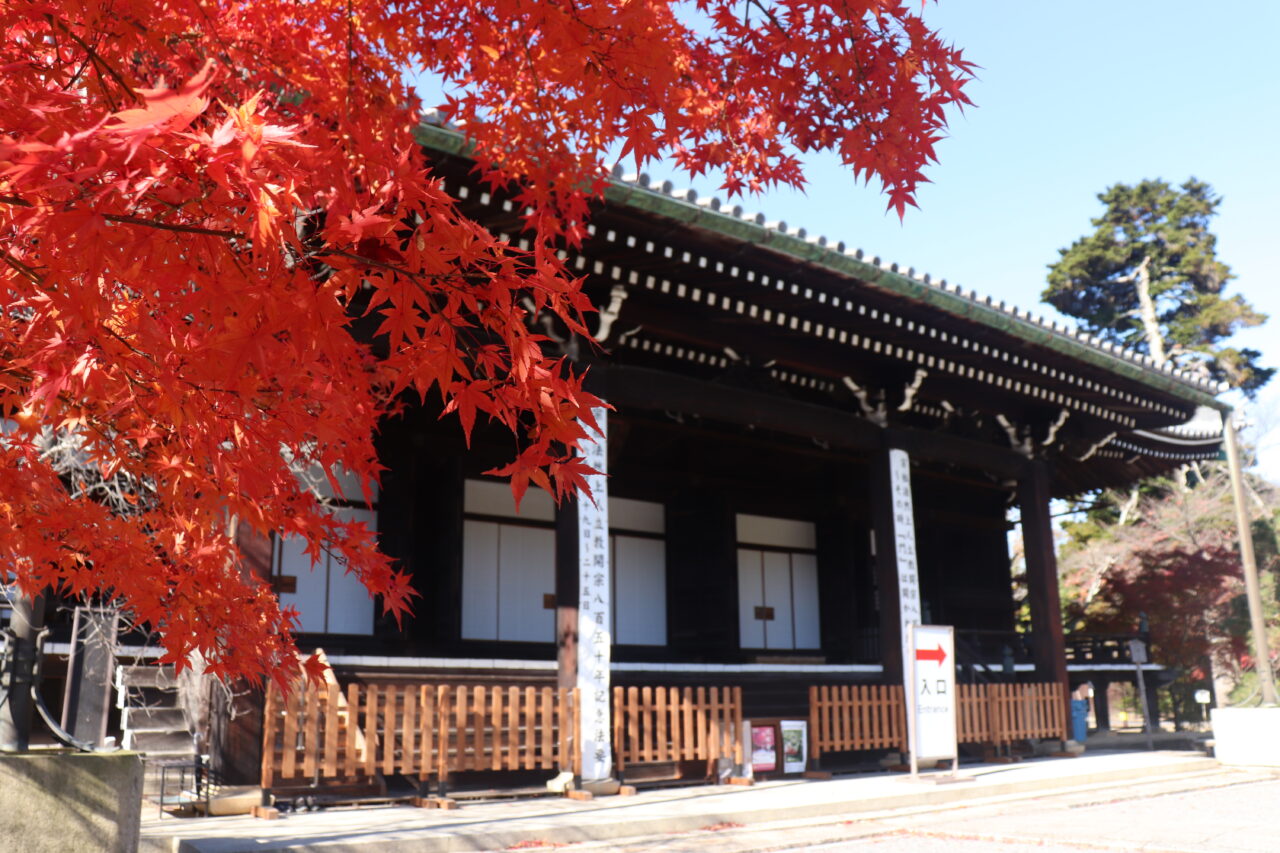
(1149,278)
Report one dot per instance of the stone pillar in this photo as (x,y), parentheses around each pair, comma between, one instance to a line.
(1048,647)
(897,580)
(595,611)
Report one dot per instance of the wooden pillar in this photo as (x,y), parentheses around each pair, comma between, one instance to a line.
(886,567)
(1153,704)
(567,593)
(1101,705)
(1048,648)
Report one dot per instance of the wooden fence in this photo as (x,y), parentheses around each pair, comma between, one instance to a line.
(663,724)
(849,718)
(326,734)
(507,728)
(973,715)
(1021,711)
(852,717)
(322,734)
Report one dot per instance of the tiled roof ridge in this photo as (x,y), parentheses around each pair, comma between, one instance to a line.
(713,204)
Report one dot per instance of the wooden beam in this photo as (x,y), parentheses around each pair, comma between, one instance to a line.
(932,446)
(657,390)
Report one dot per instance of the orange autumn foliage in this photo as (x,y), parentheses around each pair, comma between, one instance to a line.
(199,200)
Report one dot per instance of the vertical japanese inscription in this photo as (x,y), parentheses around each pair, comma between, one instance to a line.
(594,610)
(904,541)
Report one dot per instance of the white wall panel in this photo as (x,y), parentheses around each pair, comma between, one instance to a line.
(479,580)
(348,484)
(804,596)
(777,532)
(493,497)
(526,567)
(777,594)
(312,582)
(350,605)
(639,590)
(750,596)
(641,516)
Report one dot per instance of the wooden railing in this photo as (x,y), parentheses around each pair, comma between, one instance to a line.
(508,728)
(322,734)
(1021,711)
(326,734)
(664,724)
(850,718)
(973,714)
(1101,648)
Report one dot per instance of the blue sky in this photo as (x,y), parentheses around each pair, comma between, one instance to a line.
(1071,98)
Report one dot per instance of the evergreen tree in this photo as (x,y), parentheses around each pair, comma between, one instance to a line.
(1149,278)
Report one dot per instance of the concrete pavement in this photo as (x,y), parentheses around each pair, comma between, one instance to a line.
(1230,812)
(796,809)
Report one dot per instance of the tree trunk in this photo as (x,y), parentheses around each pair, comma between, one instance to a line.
(1126,511)
(1147,311)
(15,716)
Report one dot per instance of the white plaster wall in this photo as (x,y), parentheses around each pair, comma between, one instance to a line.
(1247,736)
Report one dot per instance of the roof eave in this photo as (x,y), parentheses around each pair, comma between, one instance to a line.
(451,142)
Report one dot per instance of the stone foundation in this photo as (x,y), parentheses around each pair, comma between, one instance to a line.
(70,801)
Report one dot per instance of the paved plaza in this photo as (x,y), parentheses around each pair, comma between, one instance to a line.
(1230,813)
(1161,801)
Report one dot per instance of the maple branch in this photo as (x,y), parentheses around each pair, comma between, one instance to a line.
(471,278)
(98,62)
(167,226)
(124,219)
(30,274)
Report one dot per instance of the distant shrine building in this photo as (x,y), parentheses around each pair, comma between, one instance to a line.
(762,382)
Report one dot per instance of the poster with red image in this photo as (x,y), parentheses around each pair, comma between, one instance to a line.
(764,749)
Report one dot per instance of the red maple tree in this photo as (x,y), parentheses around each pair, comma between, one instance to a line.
(1169,559)
(198,198)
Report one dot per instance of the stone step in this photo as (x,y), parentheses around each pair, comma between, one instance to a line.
(146,676)
(146,697)
(153,719)
(154,744)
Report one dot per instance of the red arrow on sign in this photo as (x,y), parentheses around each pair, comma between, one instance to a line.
(932,654)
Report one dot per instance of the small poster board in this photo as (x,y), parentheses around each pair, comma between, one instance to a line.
(764,748)
(795,749)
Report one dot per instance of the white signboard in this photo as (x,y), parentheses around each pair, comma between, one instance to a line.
(904,541)
(933,692)
(594,597)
